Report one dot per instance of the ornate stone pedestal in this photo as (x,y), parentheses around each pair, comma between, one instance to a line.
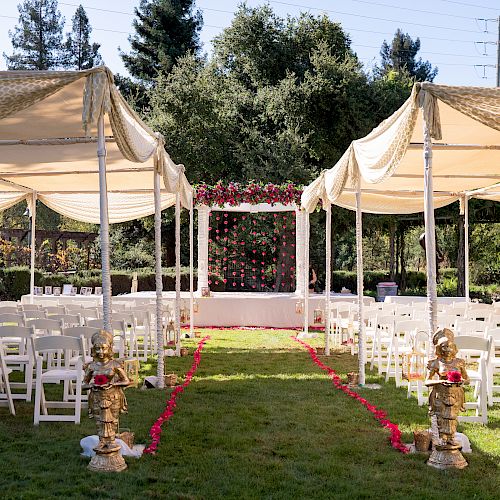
(107,459)
(447,457)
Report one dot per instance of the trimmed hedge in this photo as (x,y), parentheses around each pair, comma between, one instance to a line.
(15,281)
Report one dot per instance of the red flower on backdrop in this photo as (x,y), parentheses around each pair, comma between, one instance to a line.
(101,379)
(454,376)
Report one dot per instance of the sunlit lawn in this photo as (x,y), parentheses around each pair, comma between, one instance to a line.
(259,420)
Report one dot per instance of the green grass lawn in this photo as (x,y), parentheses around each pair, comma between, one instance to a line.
(259,420)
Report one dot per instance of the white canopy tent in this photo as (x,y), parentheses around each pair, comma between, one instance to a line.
(384,173)
(58,146)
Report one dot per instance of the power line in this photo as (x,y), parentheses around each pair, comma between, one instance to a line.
(424,52)
(470,5)
(370,17)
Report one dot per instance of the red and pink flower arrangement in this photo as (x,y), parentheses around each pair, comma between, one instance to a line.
(379,415)
(235,193)
(101,379)
(454,376)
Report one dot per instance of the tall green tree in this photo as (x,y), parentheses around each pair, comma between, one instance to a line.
(37,39)
(165,31)
(79,52)
(400,56)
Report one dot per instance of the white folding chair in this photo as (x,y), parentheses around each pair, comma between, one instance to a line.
(34,314)
(420,341)
(9,310)
(5,392)
(67,374)
(19,360)
(382,341)
(481,347)
(401,343)
(12,319)
(85,332)
(494,367)
(143,332)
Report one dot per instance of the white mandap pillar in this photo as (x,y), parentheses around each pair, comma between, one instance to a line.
(300,245)
(203,233)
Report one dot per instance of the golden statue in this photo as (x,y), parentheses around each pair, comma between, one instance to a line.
(106,379)
(446,400)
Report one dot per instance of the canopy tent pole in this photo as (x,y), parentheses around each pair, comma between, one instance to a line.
(104,224)
(203,233)
(191,269)
(466,248)
(360,286)
(178,263)
(306,272)
(328,247)
(430,230)
(160,369)
(32,222)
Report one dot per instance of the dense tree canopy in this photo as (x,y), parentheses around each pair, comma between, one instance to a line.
(400,56)
(37,39)
(79,52)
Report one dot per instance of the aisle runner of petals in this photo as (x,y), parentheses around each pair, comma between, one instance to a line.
(380,415)
(155,430)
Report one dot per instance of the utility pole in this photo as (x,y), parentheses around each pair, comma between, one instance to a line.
(498,53)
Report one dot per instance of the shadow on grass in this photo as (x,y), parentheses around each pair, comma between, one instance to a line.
(253,424)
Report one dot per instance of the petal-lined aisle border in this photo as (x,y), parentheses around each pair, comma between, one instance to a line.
(380,415)
(155,430)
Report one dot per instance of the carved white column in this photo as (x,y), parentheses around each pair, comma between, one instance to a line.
(203,234)
(299,251)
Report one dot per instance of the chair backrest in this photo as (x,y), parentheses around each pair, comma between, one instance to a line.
(128,317)
(367,301)
(402,310)
(73,308)
(80,331)
(39,314)
(386,322)
(409,325)
(51,310)
(12,319)
(29,307)
(90,313)
(58,342)
(470,327)
(9,310)
(51,326)
(116,325)
(8,303)
(474,343)
(16,331)
(494,333)
(68,319)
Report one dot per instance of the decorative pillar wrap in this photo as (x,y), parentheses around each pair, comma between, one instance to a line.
(203,225)
(299,249)
(191,269)
(328,281)
(430,231)
(160,371)
(306,273)
(32,214)
(359,265)
(466,245)
(104,221)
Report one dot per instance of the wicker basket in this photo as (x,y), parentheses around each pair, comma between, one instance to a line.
(320,350)
(127,437)
(170,379)
(184,351)
(352,379)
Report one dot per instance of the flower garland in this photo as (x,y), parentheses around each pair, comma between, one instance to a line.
(235,194)
(168,413)
(379,415)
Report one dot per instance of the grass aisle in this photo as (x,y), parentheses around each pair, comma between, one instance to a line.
(259,420)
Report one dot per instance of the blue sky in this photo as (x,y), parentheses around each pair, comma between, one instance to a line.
(457,36)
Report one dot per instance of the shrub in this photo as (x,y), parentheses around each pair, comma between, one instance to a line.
(15,282)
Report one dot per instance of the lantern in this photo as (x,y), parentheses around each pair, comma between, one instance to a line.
(318,316)
(195,306)
(185,316)
(414,365)
(299,307)
(131,367)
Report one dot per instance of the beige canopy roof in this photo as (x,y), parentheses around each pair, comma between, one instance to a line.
(48,145)
(388,162)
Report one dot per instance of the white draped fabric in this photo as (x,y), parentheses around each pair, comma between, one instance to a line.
(465,125)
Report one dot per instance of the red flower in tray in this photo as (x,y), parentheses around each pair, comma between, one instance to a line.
(101,380)
(454,376)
